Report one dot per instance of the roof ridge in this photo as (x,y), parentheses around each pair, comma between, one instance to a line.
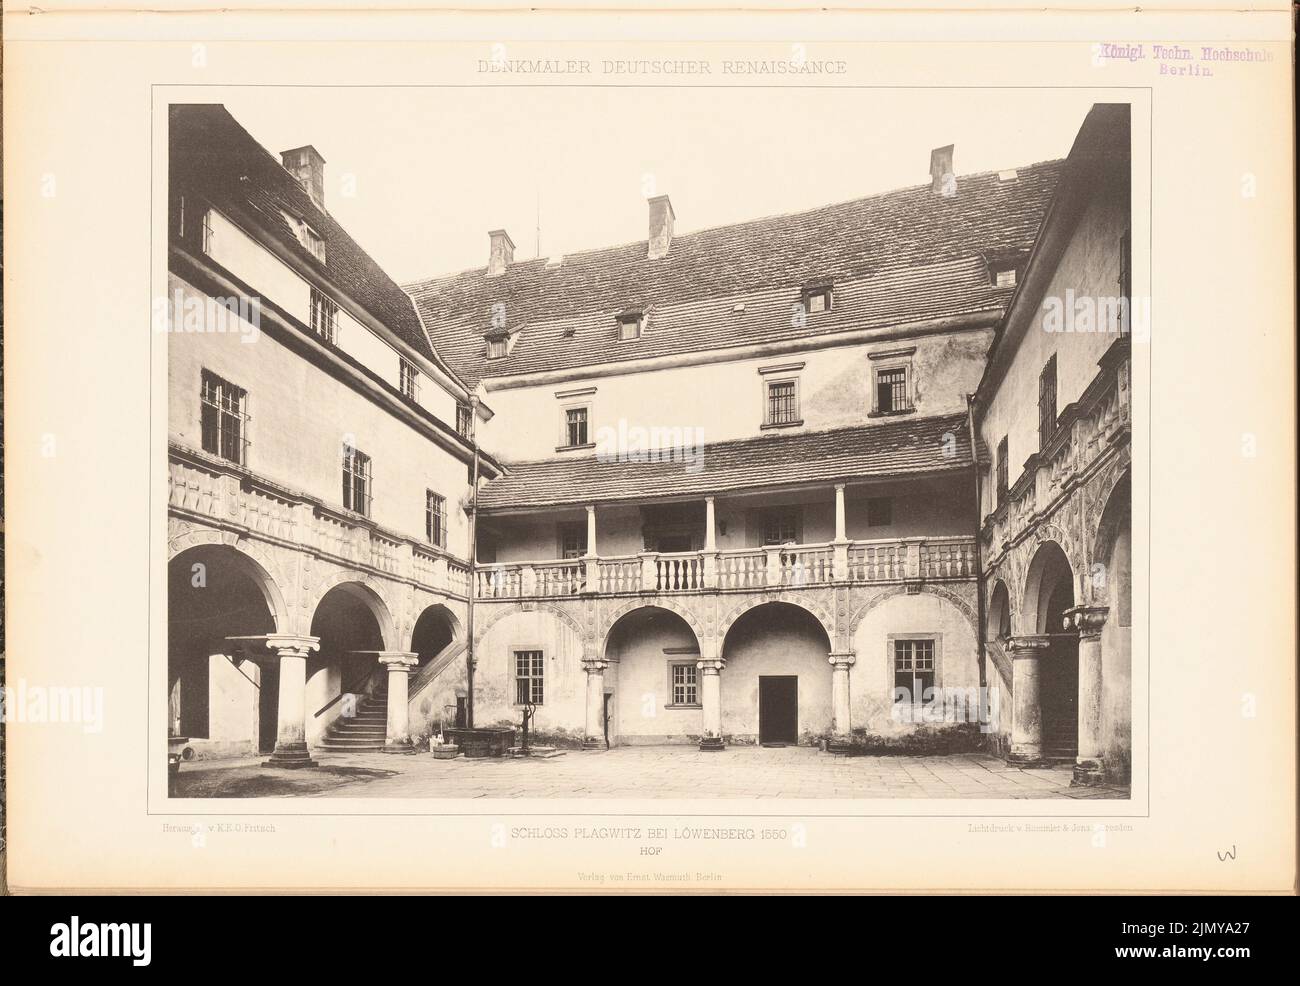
(767,217)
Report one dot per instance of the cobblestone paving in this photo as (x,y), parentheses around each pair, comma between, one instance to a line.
(645,772)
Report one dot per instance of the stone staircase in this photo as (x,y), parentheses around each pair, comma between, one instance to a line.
(360,733)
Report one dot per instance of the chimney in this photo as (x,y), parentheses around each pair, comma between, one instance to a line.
(941,175)
(501,253)
(308,167)
(661,226)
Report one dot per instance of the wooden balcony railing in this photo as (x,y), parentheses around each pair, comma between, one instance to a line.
(225,494)
(794,565)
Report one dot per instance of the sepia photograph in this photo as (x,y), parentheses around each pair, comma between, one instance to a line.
(648,442)
(664,452)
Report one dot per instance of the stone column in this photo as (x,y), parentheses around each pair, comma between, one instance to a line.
(1027,710)
(593,735)
(591,564)
(710,572)
(840,705)
(291,723)
(840,546)
(1089,620)
(400,664)
(710,669)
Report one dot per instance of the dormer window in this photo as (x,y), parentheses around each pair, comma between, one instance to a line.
(310,240)
(630,324)
(817,299)
(497,347)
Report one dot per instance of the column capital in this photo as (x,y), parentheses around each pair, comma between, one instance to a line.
(1088,620)
(844,659)
(285,644)
(711,665)
(1028,645)
(594,665)
(398,660)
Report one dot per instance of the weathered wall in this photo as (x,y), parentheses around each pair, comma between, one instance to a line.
(273,279)
(638,677)
(775,640)
(871,682)
(295,444)
(232,709)
(563,710)
(834,391)
(1090,268)
(1117,668)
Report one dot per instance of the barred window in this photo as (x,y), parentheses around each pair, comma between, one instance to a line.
(780,527)
(324,316)
(1047,403)
(409,377)
(1005,278)
(573,540)
(528,677)
(913,670)
(223,413)
(891,390)
(464,423)
(356,481)
(782,402)
(685,683)
(1003,472)
(575,426)
(496,348)
(435,518)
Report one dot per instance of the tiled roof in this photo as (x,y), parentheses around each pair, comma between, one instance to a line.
(212,156)
(887,448)
(898,257)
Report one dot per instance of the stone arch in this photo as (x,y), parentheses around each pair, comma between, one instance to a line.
(962,606)
(636,605)
(370,592)
(998,617)
(256,560)
(481,629)
(1050,562)
(1115,496)
(436,626)
(820,614)
(660,603)
(1112,552)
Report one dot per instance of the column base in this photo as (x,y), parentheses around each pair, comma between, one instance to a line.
(291,756)
(1088,773)
(712,744)
(839,744)
(400,746)
(593,744)
(1027,758)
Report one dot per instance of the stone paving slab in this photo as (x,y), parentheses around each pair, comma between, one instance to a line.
(641,772)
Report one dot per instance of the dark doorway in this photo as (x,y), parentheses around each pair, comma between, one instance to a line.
(778,708)
(1059,677)
(608,714)
(268,706)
